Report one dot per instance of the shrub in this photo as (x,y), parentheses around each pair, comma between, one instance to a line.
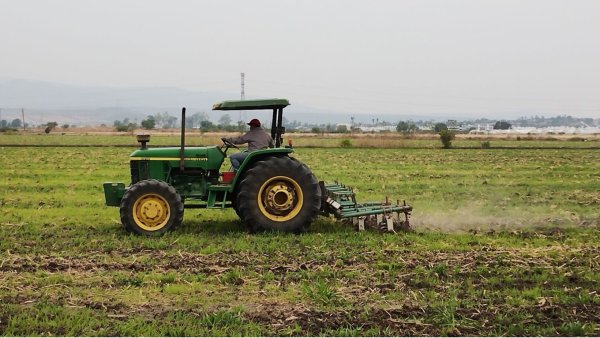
(485,144)
(346,143)
(122,127)
(446,136)
(130,127)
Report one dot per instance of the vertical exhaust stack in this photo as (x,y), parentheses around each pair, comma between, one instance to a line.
(182,151)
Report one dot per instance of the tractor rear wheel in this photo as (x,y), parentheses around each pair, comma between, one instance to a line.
(151,207)
(278,193)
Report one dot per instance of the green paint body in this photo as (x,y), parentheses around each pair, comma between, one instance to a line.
(199,182)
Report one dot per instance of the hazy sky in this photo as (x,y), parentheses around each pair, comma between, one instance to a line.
(474,58)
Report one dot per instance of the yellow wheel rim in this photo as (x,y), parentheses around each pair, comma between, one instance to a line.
(280,198)
(151,212)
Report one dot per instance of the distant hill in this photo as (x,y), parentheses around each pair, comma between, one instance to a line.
(94,105)
(46,95)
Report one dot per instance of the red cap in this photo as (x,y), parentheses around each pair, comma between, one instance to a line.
(254,123)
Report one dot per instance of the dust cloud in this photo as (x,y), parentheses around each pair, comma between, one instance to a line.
(468,218)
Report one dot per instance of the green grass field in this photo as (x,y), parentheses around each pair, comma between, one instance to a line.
(506,243)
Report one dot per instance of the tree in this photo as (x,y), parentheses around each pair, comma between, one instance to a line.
(193,121)
(206,126)
(121,127)
(118,123)
(439,127)
(342,129)
(50,126)
(402,127)
(3,124)
(241,126)
(65,126)
(224,120)
(160,119)
(170,122)
(16,123)
(149,123)
(502,125)
(130,127)
(446,136)
(165,120)
(406,127)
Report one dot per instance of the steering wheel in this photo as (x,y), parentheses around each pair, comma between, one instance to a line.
(228,144)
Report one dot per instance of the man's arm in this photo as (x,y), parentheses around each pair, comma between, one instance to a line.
(238,140)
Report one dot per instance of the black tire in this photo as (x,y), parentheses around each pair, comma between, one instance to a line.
(234,196)
(151,207)
(278,193)
(235,207)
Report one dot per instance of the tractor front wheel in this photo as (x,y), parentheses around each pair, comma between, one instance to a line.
(278,193)
(151,207)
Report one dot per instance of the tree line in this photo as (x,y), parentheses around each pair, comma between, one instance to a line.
(165,120)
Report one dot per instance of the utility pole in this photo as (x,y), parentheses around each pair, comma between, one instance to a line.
(23,117)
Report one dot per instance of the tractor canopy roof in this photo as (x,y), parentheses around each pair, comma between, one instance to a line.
(251,104)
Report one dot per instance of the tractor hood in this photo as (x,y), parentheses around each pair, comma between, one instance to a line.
(173,152)
(200,157)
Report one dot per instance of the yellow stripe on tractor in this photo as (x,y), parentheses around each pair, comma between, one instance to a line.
(167,159)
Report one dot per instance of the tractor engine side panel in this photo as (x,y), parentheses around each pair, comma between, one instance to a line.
(143,170)
(193,183)
(201,168)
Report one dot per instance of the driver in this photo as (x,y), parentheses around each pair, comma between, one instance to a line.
(257,138)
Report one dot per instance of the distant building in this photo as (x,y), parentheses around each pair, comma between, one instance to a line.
(454,125)
(375,129)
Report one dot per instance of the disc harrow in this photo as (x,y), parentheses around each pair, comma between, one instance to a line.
(340,201)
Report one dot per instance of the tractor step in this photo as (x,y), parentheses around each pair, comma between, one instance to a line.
(340,201)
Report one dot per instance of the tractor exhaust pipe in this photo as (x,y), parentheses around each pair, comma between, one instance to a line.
(182,151)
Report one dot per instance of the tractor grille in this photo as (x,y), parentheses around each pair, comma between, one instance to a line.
(140,170)
(135,171)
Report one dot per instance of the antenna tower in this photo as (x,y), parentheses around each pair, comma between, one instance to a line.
(242,96)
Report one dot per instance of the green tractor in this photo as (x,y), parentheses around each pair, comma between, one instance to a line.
(270,191)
